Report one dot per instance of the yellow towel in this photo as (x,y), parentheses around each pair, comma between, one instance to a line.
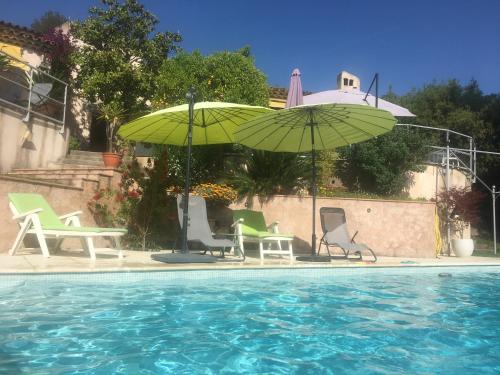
(437,233)
(16,52)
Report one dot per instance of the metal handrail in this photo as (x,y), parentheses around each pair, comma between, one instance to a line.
(29,87)
(32,67)
(444,130)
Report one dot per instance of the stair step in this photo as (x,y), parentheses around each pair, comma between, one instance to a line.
(86,153)
(92,157)
(33,180)
(85,169)
(83,158)
(83,162)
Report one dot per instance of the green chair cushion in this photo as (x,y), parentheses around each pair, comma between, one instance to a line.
(254,224)
(24,202)
(271,234)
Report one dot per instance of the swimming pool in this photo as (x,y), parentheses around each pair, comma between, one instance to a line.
(303,321)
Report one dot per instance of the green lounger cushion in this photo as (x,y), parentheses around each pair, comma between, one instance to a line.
(271,234)
(254,224)
(24,202)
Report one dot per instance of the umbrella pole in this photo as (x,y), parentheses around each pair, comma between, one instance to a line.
(185,209)
(313,237)
(314,257)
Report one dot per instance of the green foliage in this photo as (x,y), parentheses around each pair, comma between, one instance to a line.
(461,206)
(113,113)
(223,76)
(120,58)
(141,205)
(207,163)
(382,165)
(343,193)
(48,21)
(4,62)
(452,106)
(74,143)
(326,166)
(265,174)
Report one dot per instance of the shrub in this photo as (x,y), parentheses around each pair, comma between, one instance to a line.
(461,206)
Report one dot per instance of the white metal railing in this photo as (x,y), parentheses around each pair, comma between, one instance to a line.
(451,157)
(32,91)
(447,159)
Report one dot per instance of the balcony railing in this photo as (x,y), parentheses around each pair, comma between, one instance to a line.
(32,90)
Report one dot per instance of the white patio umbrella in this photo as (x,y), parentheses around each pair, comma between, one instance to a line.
(356,97)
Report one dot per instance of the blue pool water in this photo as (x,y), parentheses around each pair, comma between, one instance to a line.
(313,321)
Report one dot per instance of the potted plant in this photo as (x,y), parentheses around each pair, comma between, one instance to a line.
(112,113)
(460,206)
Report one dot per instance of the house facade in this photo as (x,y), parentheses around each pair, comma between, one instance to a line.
(33,130)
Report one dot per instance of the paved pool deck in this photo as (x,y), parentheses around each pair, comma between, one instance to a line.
(65,261)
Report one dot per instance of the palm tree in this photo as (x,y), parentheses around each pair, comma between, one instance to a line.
(264,174)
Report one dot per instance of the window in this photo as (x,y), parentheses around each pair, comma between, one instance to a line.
(351,82)
(346,81)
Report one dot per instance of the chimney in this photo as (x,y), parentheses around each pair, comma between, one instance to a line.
(348,82)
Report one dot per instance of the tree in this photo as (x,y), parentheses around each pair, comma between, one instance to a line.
(451,106)
(223,76)
(119,60)
(382,165)
(48,22)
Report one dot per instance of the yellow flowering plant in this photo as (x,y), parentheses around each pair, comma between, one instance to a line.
(216,193)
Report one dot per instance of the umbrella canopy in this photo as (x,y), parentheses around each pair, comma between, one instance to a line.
(314,127)
(186,125)
(213,123)
(331,125)
(355,97)
(295,95)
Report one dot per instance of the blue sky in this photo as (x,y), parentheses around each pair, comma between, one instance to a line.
(409,43)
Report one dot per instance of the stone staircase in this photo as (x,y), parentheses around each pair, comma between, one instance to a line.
(81,169)
(83,159)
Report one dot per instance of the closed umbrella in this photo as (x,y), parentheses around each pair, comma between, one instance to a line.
(295,95)
(308,128)
(190,124)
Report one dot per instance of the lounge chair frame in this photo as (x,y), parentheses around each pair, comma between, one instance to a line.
(203,234)
(265,243)
(29,223)
(336,235)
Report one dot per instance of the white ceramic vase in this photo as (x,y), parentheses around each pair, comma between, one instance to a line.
(462,247)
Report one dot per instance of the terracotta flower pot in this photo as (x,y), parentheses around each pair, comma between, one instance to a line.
(111,160)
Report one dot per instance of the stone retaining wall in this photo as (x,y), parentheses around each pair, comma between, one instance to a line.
(391,228)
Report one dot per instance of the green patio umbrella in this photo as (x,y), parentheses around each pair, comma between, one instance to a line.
(308,128)
(213,123)
(190,124)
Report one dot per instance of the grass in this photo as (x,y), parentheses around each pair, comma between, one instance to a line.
(341,193)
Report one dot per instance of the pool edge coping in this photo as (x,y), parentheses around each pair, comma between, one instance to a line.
(228,269)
